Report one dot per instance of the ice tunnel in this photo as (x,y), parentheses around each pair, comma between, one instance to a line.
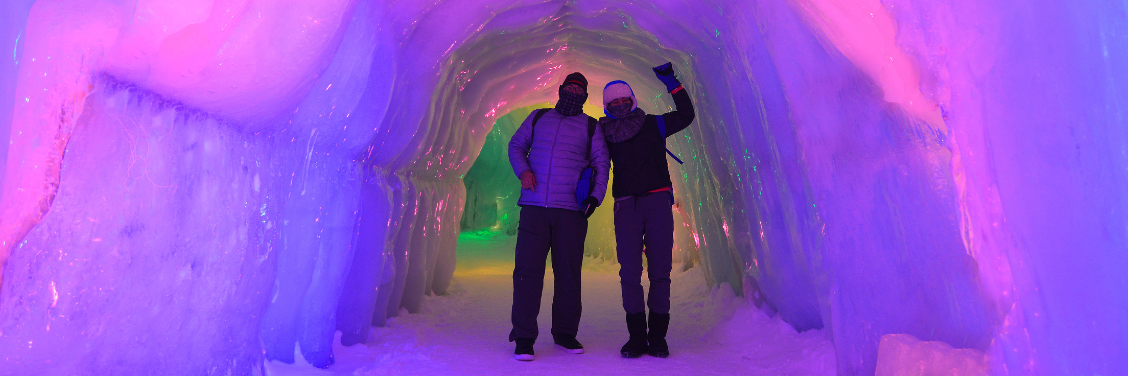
(197,187)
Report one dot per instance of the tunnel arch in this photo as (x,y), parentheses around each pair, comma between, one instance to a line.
(772,195)
(555,41)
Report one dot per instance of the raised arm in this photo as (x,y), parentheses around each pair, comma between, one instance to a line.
(683,113)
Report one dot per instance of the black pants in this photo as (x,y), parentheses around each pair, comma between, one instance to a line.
(645,221)
(540,229)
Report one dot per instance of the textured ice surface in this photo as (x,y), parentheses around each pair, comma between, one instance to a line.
(903,354)
(196,186)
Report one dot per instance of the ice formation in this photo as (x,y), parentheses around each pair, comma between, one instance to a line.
(191,187)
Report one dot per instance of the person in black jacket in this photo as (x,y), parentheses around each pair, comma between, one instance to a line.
(644,220)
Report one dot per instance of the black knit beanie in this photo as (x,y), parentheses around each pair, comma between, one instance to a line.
(572,104)
(576,78)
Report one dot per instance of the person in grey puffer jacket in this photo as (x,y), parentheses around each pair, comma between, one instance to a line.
(548,158)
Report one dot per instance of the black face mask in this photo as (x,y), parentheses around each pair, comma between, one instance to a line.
(619,111)
(570,104)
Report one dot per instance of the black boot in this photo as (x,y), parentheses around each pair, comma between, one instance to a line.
(659,323)
(636,326)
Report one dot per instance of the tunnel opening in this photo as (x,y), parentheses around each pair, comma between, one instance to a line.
(491,192)
(491,214)
(504,89)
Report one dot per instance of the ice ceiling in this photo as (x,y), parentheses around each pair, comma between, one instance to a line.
(196,186)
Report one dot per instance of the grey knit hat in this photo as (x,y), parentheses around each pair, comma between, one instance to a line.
(619,89)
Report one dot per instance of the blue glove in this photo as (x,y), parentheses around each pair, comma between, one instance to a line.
(665,73)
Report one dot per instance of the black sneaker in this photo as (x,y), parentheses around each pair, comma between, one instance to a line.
(524,349)
(568,343)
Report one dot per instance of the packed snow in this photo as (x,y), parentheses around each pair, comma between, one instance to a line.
(713,332)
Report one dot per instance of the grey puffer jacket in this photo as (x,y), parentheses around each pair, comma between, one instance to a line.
(556,156)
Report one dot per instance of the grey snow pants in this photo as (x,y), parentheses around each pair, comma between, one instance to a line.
(541,229)
(645,222)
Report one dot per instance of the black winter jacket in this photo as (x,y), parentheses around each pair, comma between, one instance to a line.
(639,163)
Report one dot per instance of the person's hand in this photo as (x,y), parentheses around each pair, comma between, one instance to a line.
(528,181)
(665,73)
(589,206)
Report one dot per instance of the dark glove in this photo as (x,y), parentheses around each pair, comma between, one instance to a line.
(665,73)
(589,206)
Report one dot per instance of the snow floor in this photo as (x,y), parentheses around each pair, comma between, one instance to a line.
(712,332)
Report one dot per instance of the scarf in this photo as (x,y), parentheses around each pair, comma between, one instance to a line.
(623,128)
(570,104)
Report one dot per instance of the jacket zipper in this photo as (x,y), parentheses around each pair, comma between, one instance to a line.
(552,161)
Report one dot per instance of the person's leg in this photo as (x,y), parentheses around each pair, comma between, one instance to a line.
(659,227)
(659,259)
(533,234)
(568,235)
(628,249)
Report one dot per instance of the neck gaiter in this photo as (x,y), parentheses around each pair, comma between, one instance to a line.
(570,104)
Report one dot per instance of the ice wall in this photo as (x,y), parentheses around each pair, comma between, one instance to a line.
(211,184)
(14,15)
(143,260)
(1042,136)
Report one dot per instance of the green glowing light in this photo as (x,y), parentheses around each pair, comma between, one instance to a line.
(481,236)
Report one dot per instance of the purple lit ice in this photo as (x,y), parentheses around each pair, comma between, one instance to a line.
(248,187)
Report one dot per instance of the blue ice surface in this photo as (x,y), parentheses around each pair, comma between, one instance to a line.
(10,34)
